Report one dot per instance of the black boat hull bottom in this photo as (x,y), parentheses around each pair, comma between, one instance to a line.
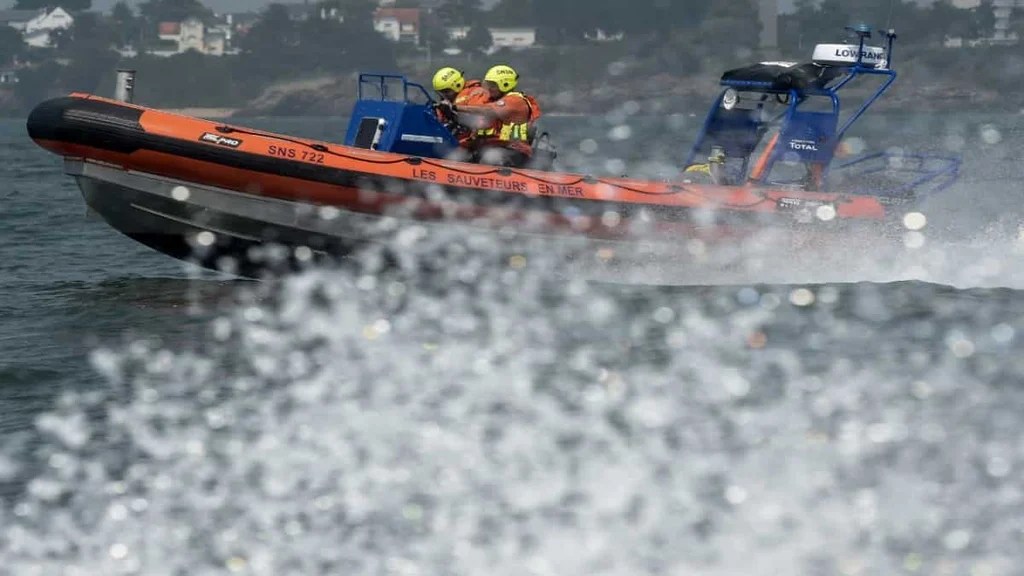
(255,236)
(217,229)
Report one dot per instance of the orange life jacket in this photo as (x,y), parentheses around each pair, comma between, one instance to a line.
(515,133)
(473,94)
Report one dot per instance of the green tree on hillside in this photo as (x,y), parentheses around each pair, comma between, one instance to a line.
(271,45)
(943,20)
(11,45)
(89,36)
(433,34)
(88,44)
(69,5)
(983,19)
(156,11)
(559,22)
(653,17)
(1016,24)
(512,13)
(797,31)
(477,40)
(364,48)
(126,25)
(830,19)
(352,11)
(734,24)
(461,12)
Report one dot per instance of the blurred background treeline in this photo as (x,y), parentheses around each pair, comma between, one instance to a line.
(579,55)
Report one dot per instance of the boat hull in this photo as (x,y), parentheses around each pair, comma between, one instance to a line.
(253,236)
(217,228)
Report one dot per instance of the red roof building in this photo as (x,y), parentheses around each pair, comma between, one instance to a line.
(398,24)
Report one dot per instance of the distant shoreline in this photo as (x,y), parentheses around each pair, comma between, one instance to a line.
(320,102)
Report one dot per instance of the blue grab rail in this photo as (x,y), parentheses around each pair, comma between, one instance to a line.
(381,81)
(806,135)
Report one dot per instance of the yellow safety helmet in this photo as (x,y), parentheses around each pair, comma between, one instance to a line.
(448,79)
(504,76)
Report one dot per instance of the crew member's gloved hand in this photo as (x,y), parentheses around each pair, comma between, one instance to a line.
(447,108)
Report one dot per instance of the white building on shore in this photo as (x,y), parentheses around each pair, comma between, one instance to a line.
(36,26)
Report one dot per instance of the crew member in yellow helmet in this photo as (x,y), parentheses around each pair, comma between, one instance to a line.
(504,125)
(453,87)
(455,90)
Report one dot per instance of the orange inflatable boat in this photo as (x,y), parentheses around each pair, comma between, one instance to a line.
(177,183)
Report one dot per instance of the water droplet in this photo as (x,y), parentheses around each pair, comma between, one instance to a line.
(253,314)
(854,145)
(880,433)
(801,297)
(117,512)
(236,564)
(589,146)
(615,166)
(825,213)
(914,220)
(962,348)
(413,512)
(957,540)
(8,468)
(998,467)
(118,551)
(620,132)
(329,212)
(677,339)
(1003,333)
(206,238)
(736,385)
(195,448)
(757,340)
(828,295)
(913,240)
(913,562)
(922,390)
(982,569)
(735,495)
(991,135)
(616,68)
(611,219)
(748,296)
(221,329)
(770,301)
(73,431)
(180,193)
(303,253)
(366,283)
(45,489)
(664,315)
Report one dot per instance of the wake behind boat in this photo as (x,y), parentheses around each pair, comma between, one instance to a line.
(212,193)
